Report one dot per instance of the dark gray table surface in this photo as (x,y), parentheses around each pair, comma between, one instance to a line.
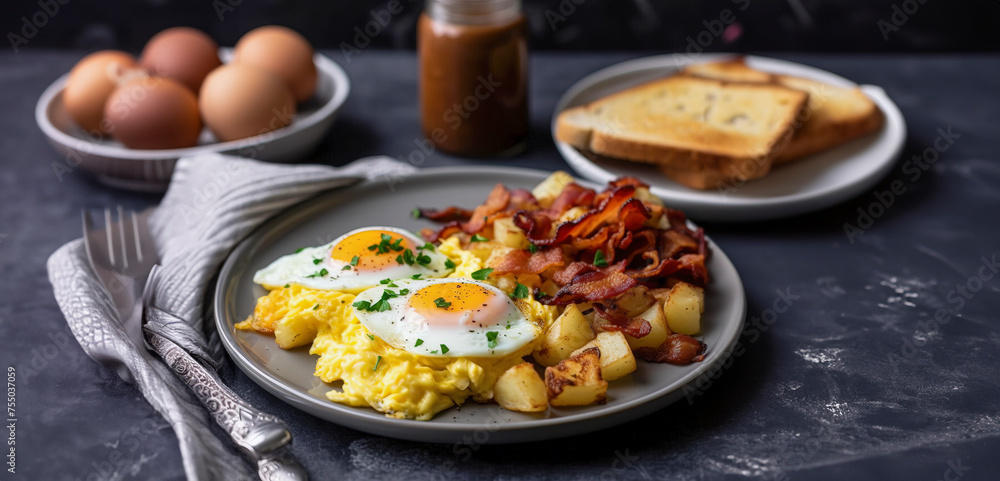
(852,381)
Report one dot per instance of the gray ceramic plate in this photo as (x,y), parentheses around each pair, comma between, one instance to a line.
(289,374)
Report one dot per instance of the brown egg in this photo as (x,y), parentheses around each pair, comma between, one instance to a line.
(153,113)
(183,54)
(282,51)
(91,82)
(239,101)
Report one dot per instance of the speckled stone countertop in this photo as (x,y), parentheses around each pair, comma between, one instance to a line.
(860,378)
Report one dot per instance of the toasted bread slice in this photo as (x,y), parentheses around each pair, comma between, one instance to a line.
(834,115)
(689,123)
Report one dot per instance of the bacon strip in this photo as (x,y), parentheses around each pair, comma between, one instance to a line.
(521,199)
(620,206)
(566,275)
(677,349)
(603,283)
(627,180)
(523,262)
(497,201)
(448,214)
(573,195)
(634,327)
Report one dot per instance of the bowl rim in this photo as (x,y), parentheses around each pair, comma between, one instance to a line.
(324,66)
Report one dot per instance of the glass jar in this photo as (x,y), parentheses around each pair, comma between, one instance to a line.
(474,76)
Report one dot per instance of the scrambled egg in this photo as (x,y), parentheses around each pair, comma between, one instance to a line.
(374,373)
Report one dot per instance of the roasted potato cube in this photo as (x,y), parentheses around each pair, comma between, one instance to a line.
(551,187)
(634,301)
(569,332)
(508,234)
(505,282)
(660,293)
(572,213)
(549,287)
(576,381)
(643,194)
(616,355)
(683,308)
(520,388)
(659,332)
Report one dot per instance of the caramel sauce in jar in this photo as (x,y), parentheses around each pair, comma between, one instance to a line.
(474,76)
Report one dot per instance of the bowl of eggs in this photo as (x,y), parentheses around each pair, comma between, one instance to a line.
(128,119)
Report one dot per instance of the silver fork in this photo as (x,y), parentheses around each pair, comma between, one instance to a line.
(124,257)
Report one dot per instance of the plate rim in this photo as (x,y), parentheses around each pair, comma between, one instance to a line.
(324,66)
(410,429)
(710,205)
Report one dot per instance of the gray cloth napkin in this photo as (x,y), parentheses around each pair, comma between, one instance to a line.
(213,202)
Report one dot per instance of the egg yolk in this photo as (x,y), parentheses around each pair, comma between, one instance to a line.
(457,304)
(370,258)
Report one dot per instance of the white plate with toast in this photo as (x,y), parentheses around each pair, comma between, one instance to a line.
(757,149)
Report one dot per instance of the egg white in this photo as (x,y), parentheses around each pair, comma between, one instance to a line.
(400,326)
(300,268)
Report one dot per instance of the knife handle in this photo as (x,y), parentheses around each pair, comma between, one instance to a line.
(262,437)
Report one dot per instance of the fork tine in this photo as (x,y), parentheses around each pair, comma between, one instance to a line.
(109,228)
(121,236)
(88,225)
(134,219)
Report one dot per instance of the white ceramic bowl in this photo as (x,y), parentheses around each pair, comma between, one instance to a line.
(150,170)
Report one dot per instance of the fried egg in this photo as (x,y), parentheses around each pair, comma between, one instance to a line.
(357,260)
(445,318)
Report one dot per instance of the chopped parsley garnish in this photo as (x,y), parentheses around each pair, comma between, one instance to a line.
(434,351)
(440,302)
(386,244)
(482,274)
(378,361)
(508,324)
(370,337)
(491,338)
(407,258)
(444,349)
(317,261)
(520,291)
(599,259)
(419,342)
(449,264)
(316,307)
(381,306)
(423,259)
(287,286)
(532,248)
(322,273)
(479,238)
(388,282)
(415,276)
(427,247)
(415,212)
(404,292)
(354,260)
(300,249)
(345,268)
